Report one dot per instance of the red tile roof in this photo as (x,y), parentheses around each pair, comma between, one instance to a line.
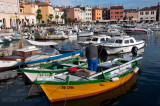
(116,7)
(149,8)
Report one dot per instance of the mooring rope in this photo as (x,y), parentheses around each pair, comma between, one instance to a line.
(66,93)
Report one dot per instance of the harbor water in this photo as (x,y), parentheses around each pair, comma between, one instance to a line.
(141,90)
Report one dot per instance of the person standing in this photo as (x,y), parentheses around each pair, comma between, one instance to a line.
(92,56)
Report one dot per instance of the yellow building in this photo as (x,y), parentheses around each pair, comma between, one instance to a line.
(46,9)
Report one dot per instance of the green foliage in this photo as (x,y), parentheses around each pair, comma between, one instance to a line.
(69,20)
(75,20)
(50,16)
(39,15)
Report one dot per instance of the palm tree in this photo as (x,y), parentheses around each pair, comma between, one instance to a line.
(130,19)
(62,17)
(50,16)
(39,15)
(57,18)
(75,20)
(69,20)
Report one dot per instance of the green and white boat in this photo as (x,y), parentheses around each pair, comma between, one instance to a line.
(49,69)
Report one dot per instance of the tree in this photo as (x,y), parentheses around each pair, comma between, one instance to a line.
(62,17)
(39,15)
(57,18)
(69,20)
(75,20)
(50,17)
(130,19)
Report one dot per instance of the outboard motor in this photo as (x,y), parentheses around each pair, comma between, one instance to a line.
(134,51)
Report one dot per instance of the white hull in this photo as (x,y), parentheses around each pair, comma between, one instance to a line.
(9,64)
(34,76)
(120,50)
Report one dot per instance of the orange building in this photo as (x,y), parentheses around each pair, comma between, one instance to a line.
(116,12)
(96,14)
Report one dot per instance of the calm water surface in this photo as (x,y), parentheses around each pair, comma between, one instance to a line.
(145,91)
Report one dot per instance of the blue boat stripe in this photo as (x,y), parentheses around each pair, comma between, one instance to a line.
(54,58)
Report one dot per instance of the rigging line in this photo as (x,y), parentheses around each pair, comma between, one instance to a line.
(57,89)
(66,93)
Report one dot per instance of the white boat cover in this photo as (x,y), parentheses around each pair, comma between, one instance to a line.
(41,43)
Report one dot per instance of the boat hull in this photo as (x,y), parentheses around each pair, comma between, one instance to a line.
(121,50)
(6,65)
(57,93)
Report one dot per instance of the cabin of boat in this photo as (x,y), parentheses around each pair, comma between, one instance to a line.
(96,39)
(20,53)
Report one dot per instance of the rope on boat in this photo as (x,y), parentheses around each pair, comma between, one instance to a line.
(66,91)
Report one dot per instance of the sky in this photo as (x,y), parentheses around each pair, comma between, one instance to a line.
(126,3)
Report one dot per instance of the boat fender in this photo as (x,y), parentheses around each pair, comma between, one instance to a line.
(145,45)
(115,79)
(136,70)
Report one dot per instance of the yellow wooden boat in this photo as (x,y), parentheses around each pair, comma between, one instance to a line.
(67,86)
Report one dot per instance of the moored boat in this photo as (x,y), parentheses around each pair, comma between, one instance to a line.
(123,44)
(49,69)
(17,58)
(110,75)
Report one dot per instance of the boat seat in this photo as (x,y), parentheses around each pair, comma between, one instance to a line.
(70,65)
(105,65)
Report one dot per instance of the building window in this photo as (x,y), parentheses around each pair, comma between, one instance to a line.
(97,13)
(147,12)
(97,10)
(141,13)
(1,6)
(152,12)
(116,12)
(97,17)
(9,7)
(20,10)
(111,12)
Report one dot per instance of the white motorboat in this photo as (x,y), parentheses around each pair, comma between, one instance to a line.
(96,39)
(44,35)
(124,44)
(72,34)
(85,33)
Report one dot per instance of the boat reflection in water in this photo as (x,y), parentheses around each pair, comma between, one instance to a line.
(107,98)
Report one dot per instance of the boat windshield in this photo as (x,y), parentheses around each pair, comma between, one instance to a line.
(94,39)
(89,39)
(111,41)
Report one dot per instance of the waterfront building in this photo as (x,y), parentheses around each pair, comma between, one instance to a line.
(147,14)
(131,15)
(28,13)
(105,13)
(158,12)
(73,13)
(116,13)
(82,15)
(96,14)
(58,11)
(9,12)
(46,9)
(88,11)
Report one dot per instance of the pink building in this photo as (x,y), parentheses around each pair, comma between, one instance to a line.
(73,13)
(9,11)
